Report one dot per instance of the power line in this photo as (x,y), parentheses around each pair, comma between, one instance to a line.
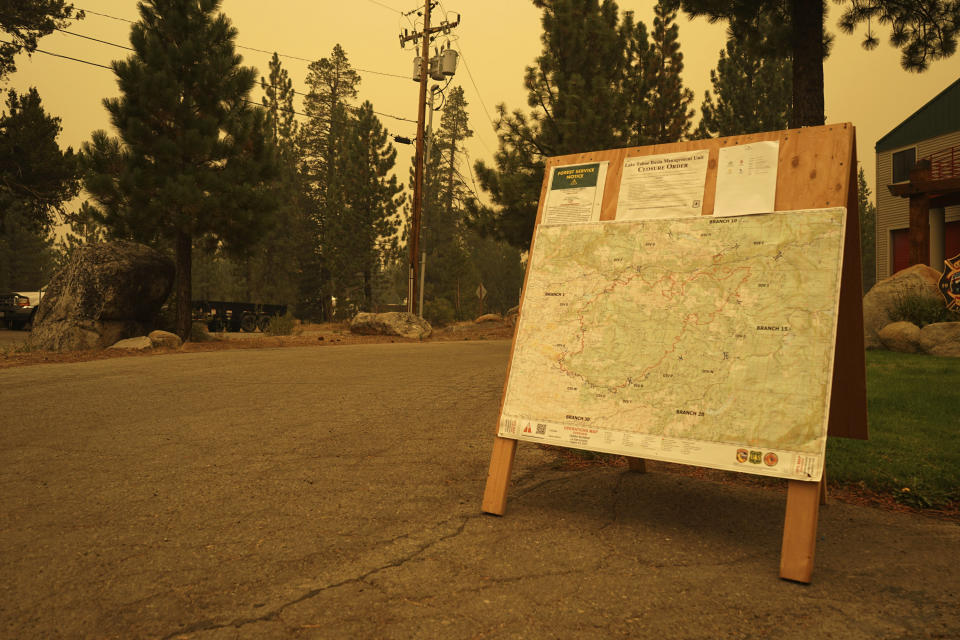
(104,15)
(57,55)
(474,82)
(301,93)
(385,6)
(102,66)
(239,46)
(80,35)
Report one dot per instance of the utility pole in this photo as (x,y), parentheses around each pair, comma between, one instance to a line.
(426,163)
(422,75)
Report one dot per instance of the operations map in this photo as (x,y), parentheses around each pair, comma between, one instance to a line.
(705,341)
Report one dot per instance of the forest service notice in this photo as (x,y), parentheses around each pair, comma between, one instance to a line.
(705,341)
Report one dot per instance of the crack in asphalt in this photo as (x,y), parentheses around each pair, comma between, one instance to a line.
(520,490)
(210,625)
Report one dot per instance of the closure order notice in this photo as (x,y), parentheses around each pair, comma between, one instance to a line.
(668,185)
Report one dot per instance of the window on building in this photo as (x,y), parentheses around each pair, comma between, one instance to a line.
(903,162)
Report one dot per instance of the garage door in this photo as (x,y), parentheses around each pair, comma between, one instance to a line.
(900,245)
(951,239)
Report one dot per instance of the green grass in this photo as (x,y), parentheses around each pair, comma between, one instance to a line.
(914,417)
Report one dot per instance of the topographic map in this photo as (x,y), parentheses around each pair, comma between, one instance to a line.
(705,341)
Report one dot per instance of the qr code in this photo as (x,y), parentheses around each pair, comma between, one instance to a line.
(541,429)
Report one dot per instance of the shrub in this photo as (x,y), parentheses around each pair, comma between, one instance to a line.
(921,310)
(281,325)
(439,312)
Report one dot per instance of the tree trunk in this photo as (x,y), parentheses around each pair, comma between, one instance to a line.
(808,56)
(184,306)
(367,290)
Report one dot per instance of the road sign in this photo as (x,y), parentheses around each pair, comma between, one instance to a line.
(481,292)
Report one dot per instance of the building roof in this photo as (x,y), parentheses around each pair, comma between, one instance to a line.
(939,116)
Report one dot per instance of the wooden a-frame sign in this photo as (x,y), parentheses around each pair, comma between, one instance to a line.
(817,168)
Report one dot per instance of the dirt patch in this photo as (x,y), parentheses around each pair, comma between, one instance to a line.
(309,335)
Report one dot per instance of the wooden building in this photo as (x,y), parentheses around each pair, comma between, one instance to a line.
(932,133)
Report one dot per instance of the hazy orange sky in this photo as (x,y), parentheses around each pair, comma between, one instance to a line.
(498,39)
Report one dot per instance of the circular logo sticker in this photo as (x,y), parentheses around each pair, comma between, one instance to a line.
(742,455)
(770,459)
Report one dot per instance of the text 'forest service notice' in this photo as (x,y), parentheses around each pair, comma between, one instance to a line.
(575,193)
(705,341)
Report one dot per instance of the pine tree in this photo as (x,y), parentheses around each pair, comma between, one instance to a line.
(192,162)
(271,267)
(448,260)
(868,232)
(752,92)
(360,235)
(26,21)
(575,90)
(668,113)
(83,229)
(333,86)
(924,30)
(36,177)
(27,259)
(278,101)
(639,74)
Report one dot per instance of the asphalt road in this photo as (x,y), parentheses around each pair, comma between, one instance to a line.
(334,492)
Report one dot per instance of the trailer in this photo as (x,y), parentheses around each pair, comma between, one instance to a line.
(220,315)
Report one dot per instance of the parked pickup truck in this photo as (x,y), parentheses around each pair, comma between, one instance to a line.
(18,308)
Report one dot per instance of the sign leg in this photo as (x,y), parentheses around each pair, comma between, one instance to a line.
(823,488)
(637,465)
(800,530)
(498,477)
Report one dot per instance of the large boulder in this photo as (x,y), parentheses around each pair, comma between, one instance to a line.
(393,323)
(941,339)
(900,336)
(106,292)
(165,339)
(883,297)
(140,343)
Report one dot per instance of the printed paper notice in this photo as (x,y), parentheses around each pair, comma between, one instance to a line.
(746,179)
(663,186)
(575,193)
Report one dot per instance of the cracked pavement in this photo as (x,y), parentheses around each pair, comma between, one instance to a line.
(335,493)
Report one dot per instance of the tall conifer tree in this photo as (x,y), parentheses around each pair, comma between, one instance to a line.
(192,162)
(448,261)
(271,267)
(333,87)
(668,115)
(36,176)
(924,31)
(363,231)
(751,92)
(639,76)
(575,92)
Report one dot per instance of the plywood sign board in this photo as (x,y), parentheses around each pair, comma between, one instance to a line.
(673,339)
(668,326)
